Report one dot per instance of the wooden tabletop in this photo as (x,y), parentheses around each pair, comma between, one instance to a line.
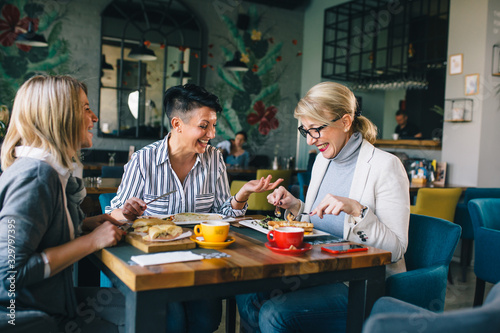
(249,260)
(409,144)
(251,267)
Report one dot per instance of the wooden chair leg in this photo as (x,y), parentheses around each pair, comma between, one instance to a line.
(479,293)
(230,315)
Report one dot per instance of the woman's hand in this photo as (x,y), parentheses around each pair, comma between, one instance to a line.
(106,235)
(284,199)
(257,186)
(90,223)
(133,207)
(332,204)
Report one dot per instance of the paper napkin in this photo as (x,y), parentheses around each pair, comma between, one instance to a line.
(165,258)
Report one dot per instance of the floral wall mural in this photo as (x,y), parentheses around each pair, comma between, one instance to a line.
(20,62)
(251,98)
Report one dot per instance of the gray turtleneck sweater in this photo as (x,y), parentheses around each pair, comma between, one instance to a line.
(337,181)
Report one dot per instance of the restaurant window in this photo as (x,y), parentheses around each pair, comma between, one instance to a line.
(147,46)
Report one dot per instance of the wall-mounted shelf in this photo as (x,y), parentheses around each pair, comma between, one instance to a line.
(458,110)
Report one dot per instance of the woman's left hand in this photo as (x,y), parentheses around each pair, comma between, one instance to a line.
(90,223)
(332,204)
(257,186)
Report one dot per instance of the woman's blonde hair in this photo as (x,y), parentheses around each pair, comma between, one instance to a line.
(330,100)
(47,114)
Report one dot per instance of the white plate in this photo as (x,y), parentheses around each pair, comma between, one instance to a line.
(221,218)
(254,225)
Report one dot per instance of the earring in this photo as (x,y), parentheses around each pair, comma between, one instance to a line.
(345,129)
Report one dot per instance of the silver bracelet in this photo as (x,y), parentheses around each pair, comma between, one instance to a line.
(46,267)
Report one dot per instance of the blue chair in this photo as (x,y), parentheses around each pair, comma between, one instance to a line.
(112,171)
(392,315)
(304,178)
(462,218)
(28,321)
(105,200)
(485,216)
(431,243)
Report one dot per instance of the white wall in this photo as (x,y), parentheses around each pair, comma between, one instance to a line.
(311,59)
(471,149)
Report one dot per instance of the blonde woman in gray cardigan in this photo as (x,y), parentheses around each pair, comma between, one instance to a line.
(40,218)
(357,192)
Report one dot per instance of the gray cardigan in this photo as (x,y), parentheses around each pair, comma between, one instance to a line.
(31,199)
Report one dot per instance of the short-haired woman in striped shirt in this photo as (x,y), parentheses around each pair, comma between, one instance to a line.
(184,161)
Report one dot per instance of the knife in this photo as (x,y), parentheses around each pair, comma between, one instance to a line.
(161,196)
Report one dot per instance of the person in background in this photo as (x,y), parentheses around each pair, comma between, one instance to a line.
(357,192)
(235,155)
(185,161)
(406,129)
(40,217)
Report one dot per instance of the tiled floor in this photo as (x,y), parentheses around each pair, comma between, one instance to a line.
(458,295)
(461,294)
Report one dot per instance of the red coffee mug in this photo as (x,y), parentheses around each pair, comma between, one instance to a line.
(285,237)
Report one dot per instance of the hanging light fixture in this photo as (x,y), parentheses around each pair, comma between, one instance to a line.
(142,53)
(236,64)
(31,38)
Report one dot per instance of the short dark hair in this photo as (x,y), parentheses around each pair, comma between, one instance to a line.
(179,100)
(242,133)
(401,113)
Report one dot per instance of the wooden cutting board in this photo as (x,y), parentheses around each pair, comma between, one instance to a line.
(153,247)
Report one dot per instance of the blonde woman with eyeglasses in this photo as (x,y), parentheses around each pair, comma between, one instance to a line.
(357,192)
(40,216)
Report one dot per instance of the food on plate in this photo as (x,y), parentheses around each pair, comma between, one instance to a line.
(308,227)
(292,247)
(184,217)
(143,223)
(163,231)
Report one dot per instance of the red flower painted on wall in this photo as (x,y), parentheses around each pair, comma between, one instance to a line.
(11,26)
(266,117)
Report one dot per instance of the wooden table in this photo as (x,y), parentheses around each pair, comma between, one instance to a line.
(251,268)
(108,185)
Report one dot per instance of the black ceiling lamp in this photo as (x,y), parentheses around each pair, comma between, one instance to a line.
(236,65)
(31,38)
(142,53)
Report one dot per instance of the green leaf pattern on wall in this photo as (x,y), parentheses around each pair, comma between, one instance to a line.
(243,93)
(18,63)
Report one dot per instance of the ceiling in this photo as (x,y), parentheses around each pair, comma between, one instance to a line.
(286,4)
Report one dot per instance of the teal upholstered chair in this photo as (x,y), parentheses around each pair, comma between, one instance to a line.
(304,178)
(485,216)
(462,218)
(28,321)
(112,171)
(431,243)
(391,315)
(105,200)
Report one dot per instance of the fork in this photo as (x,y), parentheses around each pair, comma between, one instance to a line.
(277,211)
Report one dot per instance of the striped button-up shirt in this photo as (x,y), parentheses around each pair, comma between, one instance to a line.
(149,174)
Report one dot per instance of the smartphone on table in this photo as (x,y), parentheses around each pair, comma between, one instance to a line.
(344,248)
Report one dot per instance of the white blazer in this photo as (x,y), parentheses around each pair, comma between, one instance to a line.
(380,182)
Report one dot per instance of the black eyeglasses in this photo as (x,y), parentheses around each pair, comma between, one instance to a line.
(314,132)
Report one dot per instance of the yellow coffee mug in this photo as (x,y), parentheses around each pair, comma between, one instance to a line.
(212,231)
